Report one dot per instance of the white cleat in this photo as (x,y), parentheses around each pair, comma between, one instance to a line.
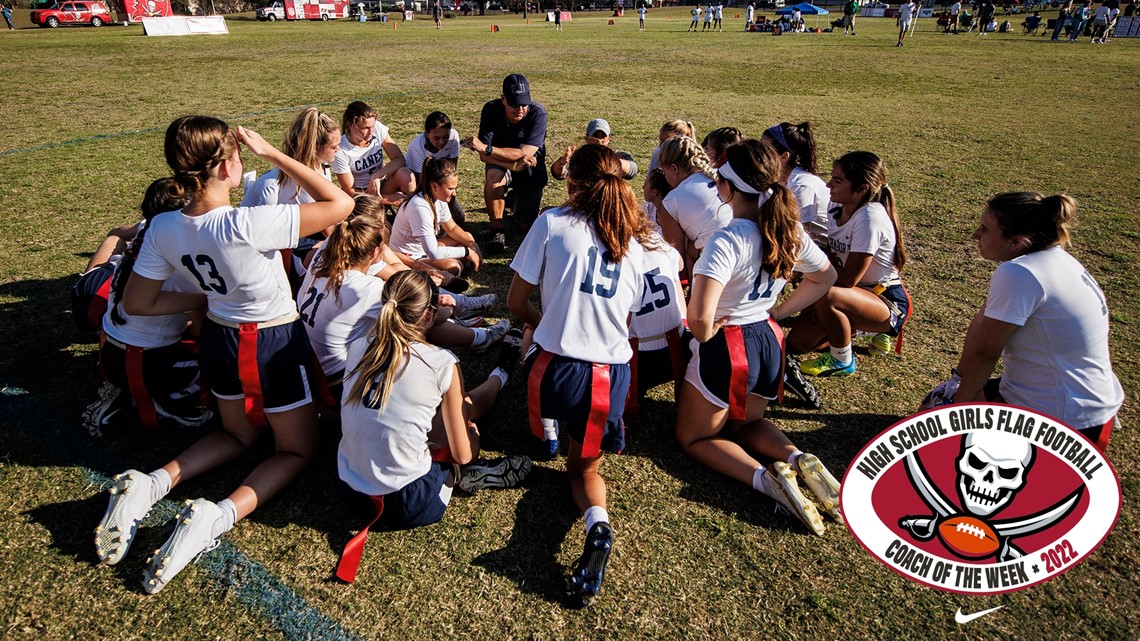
(821,483)
(193,536)
(129,505)
(780,483)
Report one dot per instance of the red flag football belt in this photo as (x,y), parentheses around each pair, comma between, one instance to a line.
(349,562)
(248,373)
(599,403)
(738,361)
(136,383)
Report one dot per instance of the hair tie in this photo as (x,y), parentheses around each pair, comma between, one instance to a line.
(777,133)
(726,171)
(885,186)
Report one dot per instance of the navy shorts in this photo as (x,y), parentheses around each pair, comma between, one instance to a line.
(655,367)
(421,502)
(564,394)
(897,295)
(710,368)
(284,363)
(169,373)
(88,302)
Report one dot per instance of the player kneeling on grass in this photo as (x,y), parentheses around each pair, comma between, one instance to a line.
(232,253)
(737,353)
(146,355)
(866,244)
(407,425)
(340,298)
(1044,316)
(587,259)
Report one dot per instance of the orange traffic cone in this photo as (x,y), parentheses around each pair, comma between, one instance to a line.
(611,23)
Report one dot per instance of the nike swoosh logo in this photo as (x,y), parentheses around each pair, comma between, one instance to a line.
(962,619)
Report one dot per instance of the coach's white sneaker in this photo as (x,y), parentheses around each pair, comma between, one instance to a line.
(779,482)
(193,535)
(130,503)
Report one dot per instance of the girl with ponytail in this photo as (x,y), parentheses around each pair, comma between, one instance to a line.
(407,427)
(691,212)
(587,259)
(796,146)
(1044,316)
(424,229)
(145,355)
(738,358)
(339,300)
(866,243)
(253,350)
(312,140)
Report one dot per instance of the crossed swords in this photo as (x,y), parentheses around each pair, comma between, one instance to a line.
(923,528)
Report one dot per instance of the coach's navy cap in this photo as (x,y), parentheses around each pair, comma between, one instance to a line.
(516,90)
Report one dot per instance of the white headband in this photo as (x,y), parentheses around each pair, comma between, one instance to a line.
(764,197)
(728,174)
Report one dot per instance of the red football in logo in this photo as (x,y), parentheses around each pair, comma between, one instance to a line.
(968,537)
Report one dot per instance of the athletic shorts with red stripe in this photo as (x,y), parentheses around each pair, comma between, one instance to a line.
(1098,434)
(421,502)
(655,367)
(897,295)
(565,396)
(89,297)
(284,363)
(710,369)
(167,372)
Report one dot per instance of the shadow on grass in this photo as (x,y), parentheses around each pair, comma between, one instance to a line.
(544,516)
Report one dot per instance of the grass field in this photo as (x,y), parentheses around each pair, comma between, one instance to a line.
(957,119)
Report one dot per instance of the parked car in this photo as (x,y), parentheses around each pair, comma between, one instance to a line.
(271,11)
(90,12)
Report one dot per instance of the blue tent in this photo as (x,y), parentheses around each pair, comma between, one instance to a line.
(806,9)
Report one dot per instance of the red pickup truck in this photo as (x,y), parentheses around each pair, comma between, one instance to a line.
(89,12)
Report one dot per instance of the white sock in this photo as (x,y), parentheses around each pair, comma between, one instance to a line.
(159,485)
(226,521)
(481,337)
(792,459)
(842,354)
(758,479)
(550,429)
(499,374)
(595,514)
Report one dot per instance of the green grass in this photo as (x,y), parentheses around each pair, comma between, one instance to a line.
(957,119)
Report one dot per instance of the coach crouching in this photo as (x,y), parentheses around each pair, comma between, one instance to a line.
(512,144)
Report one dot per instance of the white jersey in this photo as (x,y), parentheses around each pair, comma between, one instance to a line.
(231,253)
(417,226)
(361,162)
(719,12)
(641,13)
(1057,362)
(268,190)
(869,231)
(748,14)
(955,8)
(382,451)
(418,151)
(663,301)
(906,11)
(814,199)
(708,13)
(333,326)
(732,258)
(586,299)
(695,206)
(148,332)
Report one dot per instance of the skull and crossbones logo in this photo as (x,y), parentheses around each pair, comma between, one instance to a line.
(991,470)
